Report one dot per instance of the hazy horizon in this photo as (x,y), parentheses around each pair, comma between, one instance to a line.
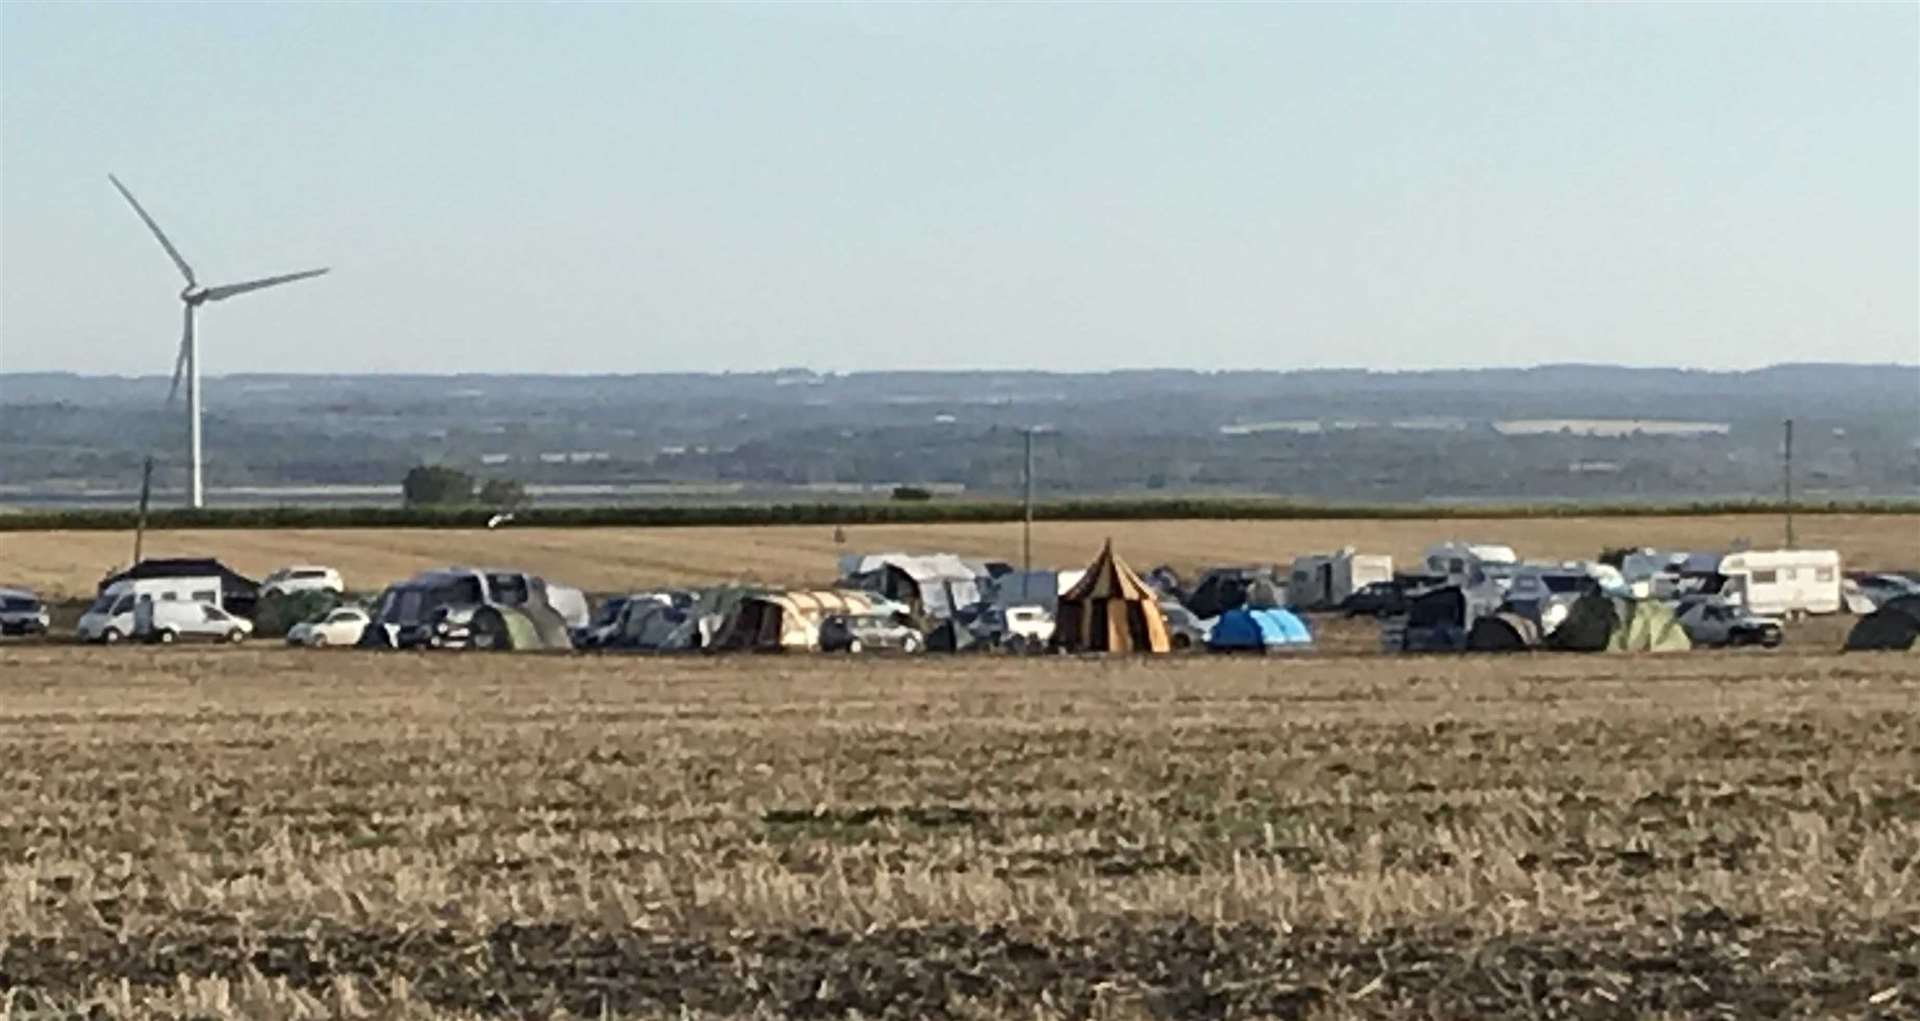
(1913,366)
(617,190)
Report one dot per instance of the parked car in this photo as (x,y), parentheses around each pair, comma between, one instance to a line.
(464,607)
(602,626)
(1027,628)
(22,613)
(341,626)
(1712,621)
(869,632)
(1184,630)
(192,620)
(302,578)
(1878,588)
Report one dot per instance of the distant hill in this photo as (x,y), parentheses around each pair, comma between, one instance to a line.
(1590,432)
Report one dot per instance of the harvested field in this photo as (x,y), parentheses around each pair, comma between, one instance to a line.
(264,833)
(66,565)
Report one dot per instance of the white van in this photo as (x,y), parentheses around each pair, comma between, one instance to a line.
(1773,583)
(186,621)
(111,617)
(1323,581)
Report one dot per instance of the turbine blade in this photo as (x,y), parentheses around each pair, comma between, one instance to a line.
(180,360)
(172,252)
(229,290)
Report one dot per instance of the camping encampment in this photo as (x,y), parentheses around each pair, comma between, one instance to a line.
(933,585)
(790,621)
(1894,626)
(1439,620)
(1111,610)
(1504,632)
(1601,623)
(1259,629)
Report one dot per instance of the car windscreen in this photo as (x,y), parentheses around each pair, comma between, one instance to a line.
(19,604)
(1564,583)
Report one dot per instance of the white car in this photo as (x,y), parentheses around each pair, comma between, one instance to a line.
(302,578)
(193,620)
(342,626)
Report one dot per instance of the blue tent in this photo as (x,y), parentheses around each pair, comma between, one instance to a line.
(1257,629)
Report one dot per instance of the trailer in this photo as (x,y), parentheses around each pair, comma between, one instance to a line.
(1323,581)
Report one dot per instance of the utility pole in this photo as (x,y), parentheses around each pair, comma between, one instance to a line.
(1026,525)
(140,524)
(1786,478)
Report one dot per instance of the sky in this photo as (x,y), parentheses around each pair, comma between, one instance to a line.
(622,188)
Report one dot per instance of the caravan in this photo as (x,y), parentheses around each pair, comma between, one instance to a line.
(1463,560)
(1324,581)
(112,617)
(1773,583)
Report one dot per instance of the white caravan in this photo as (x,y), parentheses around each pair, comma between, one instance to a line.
(112,616)
(1462,559)
(1774,583)
(1324,580)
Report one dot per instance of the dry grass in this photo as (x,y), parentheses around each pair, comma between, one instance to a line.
(67,564)
(264,833)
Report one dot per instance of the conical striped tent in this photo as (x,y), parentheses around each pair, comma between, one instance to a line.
(1111,610)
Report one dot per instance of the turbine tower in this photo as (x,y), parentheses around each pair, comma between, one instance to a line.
(188,360)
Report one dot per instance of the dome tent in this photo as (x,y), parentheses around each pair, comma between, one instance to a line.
(1504,632)
(1894,626)
(1258,629)
(1601,623)
(1111,610)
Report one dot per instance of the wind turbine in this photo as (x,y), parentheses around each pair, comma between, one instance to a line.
(192,297)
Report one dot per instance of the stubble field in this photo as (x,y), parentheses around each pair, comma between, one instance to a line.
(66,565)
(264,833)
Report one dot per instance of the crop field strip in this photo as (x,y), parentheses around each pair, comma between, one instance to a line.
(265,833)
(66,565)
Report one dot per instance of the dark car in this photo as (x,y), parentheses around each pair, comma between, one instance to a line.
(1389,598)
(869,632)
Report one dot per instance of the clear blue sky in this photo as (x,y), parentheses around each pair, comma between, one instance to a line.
(623,188)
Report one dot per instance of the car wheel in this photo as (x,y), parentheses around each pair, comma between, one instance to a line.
(317,640)
(911,645)
(855,646)
(165,637)
(488,630)
(1182,642)
(236,636)
(110,636)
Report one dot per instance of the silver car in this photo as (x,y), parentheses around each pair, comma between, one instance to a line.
(22,613)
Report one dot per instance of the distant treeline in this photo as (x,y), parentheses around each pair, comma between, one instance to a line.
(959,511)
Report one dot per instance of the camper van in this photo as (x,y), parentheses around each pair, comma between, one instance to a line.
(1774,583)
(112,616)
(1463,559)
(1324,581)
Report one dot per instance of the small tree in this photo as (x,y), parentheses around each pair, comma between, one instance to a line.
(433,485)
(506,494)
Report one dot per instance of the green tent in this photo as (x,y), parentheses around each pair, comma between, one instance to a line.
(1601,623)
(1652,627)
